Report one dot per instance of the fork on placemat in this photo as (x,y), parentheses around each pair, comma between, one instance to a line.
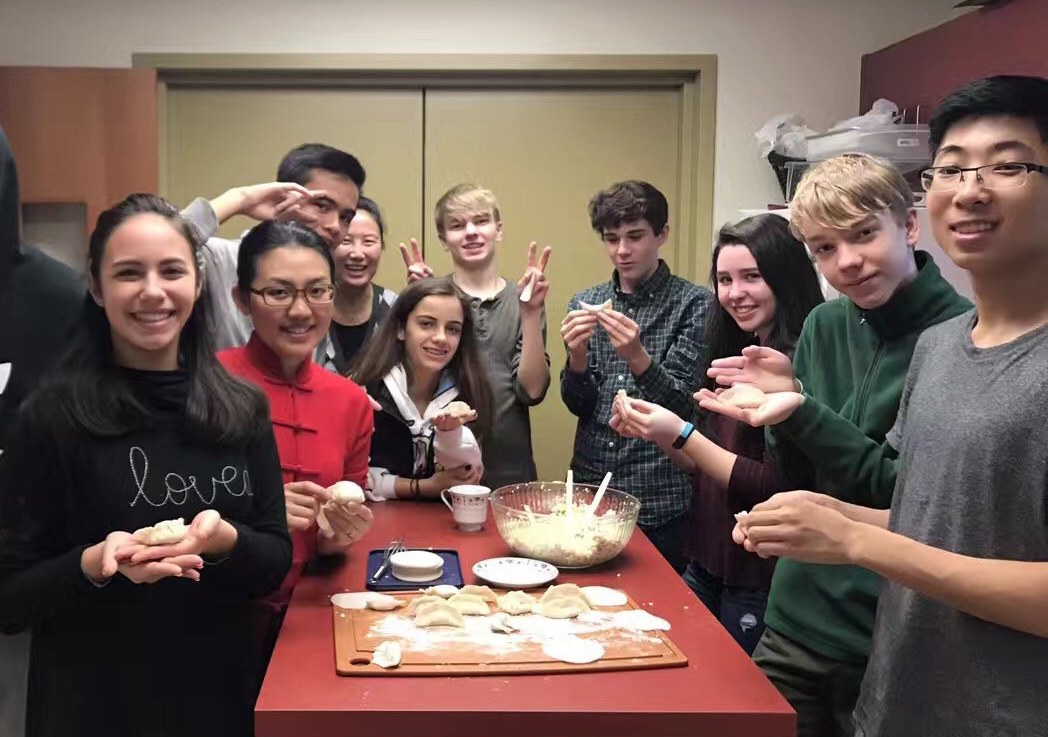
(395,546)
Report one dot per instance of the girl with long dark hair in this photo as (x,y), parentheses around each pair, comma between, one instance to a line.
(322,421)
(140,424)
(766,286)
(423,367)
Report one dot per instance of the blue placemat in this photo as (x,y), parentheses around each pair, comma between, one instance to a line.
(452,572)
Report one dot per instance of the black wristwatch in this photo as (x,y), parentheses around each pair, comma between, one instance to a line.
(685,433)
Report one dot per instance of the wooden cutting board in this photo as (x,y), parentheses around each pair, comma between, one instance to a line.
(359,631)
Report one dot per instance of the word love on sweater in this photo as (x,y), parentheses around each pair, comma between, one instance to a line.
(177,487)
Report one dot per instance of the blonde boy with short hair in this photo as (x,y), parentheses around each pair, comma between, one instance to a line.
(509,318)
(855,213)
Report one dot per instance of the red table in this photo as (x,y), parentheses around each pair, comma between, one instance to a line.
(720,693)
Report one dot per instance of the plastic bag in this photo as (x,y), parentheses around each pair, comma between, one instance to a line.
(785,134)
(882,114)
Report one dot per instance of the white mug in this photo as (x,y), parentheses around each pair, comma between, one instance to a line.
(468,505)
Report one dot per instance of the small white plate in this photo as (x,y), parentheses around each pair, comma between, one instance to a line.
(515,573)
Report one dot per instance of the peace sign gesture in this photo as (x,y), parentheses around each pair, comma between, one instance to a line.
(533,286)
(417,267)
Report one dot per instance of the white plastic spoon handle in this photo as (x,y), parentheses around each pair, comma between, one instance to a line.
(525,296)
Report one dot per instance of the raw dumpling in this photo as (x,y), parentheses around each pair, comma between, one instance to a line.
(561,590)
(606,305)
(443,590)
(744,396)
(384,603)
(564,607)
(501,623)
(420,600)
(516,602)
(483,592)
(167,532)
(344,492)
(438,614)
(387,655)
(469,604)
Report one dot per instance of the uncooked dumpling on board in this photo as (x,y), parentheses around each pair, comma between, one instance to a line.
(744,396)
(469,604)
(564,589)
(384,602)
(420,600)
(501,622)
(484,592)
(516,602)
(443,590)
(387,655)
(563,607)
(438,614)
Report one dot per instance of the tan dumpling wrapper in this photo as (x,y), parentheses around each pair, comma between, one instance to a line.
(564,589)
(458,409)
(606,305)
(438,614)
(484,592)
(420,600)
(167,532)
(387,655)
(501,623)
(469,604)
(743,396)
(516,602)
(564,607)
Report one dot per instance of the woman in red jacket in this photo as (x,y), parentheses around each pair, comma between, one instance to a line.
(322,422)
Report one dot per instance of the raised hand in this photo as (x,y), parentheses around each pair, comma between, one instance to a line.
(624,334)
(777,407)
(269,201)
(347,522)
(103,561)
(302,499)
(448,477)
(454,415)
(533,286)
(417,267)
(576,329)
(204,528)
(646,420)
(797,524)
(766,368)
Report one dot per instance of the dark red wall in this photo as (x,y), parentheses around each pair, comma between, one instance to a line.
(921,70)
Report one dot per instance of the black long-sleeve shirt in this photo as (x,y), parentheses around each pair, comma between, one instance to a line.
(169,658)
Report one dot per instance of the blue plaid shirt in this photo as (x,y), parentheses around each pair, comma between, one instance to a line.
(671,313)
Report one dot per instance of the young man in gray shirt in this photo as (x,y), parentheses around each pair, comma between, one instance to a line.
(961,638)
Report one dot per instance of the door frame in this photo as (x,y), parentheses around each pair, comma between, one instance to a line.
(695,76)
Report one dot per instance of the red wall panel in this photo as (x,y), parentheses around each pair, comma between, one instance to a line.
(921,70)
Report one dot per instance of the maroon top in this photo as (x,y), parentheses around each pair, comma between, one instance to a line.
(754,478)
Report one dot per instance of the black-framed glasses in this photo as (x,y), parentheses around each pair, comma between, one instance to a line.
(314,294)
(992,176)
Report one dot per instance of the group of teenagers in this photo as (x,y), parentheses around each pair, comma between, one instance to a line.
(903,591)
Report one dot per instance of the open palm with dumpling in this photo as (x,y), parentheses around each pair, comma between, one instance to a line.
(454,415)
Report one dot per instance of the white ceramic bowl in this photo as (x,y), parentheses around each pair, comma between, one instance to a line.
(416,566)
(515,573)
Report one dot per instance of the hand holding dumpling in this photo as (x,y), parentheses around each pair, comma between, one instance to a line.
(111,556)
(208,534)
(454,415)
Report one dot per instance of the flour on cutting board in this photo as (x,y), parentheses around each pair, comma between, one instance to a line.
(607,627)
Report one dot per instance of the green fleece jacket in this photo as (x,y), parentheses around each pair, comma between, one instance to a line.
(853,365)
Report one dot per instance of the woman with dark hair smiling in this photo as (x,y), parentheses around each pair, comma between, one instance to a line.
(140,424)
(360,303)
(425,371)
(322,422)
(766,286)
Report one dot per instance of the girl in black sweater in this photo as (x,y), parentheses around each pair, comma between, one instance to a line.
(138,424)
